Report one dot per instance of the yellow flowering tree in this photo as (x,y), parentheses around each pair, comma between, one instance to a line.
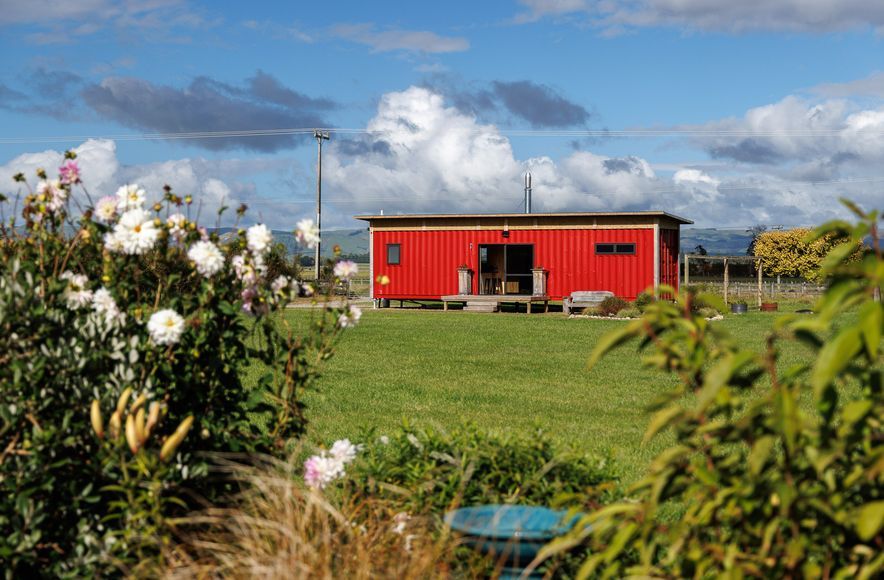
(791,253)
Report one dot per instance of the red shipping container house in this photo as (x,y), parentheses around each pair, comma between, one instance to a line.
(621,252)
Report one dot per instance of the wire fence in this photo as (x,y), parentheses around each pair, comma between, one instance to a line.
(770,289)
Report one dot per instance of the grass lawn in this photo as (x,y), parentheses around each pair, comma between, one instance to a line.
(501,371)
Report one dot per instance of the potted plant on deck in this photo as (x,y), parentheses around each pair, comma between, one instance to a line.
(739,307)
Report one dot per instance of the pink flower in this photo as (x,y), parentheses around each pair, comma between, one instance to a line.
(69,172)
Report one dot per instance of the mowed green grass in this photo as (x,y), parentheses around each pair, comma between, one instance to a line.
(503,371)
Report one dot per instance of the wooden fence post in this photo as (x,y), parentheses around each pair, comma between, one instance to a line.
(725,281)
(687,271)
(760,265)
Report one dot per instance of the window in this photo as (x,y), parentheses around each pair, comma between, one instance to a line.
(613,249)
(392,254)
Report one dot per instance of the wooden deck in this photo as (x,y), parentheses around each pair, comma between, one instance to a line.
(492,302)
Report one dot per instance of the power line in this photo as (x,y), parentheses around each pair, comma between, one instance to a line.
(248,133)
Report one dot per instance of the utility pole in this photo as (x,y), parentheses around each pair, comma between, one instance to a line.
(320,136)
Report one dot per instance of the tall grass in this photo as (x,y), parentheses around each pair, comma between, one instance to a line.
(277,528)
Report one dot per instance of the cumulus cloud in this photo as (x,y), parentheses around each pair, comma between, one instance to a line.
(426,155)
(212,182)
(813,16)
(800,134)
(210,105)
(422,41)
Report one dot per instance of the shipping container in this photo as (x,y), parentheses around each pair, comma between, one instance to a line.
(621,252)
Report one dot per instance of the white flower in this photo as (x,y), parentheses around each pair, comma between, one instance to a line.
(320,470)
(307,233)
(280,284)
(208,258)
(105,305)
(113,242)
(307,289)
(259,238)
(165,327)
(244,270)
(106,209)
(76,295)
(130,197)
(135,232)
(350,318)
(346,269)
(384,440)
(344,451)
(176,224)
(54,194)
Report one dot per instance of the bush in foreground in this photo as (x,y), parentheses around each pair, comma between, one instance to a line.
(769,488)
(130,294)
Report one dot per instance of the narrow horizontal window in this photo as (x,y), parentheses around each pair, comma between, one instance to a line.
(615,249)
(393,254)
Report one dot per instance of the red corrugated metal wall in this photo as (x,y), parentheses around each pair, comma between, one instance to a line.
(669,257)
(429,260)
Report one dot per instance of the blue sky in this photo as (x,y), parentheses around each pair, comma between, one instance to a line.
(451,102)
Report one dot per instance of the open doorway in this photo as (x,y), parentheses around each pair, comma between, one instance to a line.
(506,268)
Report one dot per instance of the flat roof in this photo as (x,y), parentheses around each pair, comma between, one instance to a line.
(591,214)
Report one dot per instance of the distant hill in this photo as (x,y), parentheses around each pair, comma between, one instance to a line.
(352,242)
(717,242)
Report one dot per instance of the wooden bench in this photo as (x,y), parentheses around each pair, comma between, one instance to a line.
(584,299)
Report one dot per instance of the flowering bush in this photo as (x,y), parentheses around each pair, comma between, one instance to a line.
(132,293)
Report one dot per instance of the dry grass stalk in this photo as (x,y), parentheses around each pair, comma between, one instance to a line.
(279,529)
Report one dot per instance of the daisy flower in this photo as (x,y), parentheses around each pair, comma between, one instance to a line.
(307,233)
(259,238)
(130,197)
(207,257)
(106,209)
(165,327)
(76,295)
(346,269)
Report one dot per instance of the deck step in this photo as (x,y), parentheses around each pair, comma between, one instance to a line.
(473,306)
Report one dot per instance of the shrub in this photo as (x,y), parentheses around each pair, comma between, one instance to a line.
(430,470)
(630,312)
(131,294)
(769,487)
(643,300)
(708,312)
(611,306)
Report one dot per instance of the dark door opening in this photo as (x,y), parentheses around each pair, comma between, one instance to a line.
(506,268)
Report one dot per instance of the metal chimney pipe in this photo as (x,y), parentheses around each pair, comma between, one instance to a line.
(528,192)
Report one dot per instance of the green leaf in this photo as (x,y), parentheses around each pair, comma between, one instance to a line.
(855,410)
(871,320)
(787,417)
(834,357)
(612,340)
(660,420)
(837,255)
(870,519)
(720,374)
(759,454)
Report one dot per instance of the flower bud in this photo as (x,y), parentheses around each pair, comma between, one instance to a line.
(153,418)
(138,402)
(157,206)
(95,417)
(132,435)
(140,432)
(188,199)
(175,439)
(114,425)
(124,398)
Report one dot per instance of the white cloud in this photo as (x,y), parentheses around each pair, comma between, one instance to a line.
(211,182)
(871,86)
(397,39)
(425,156)
(715,15)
